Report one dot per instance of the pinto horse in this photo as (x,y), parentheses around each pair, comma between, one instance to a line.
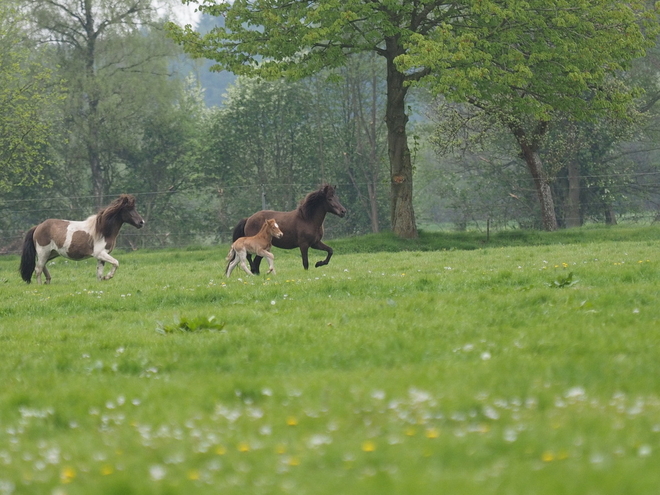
(77,240)
(258,245)
(302,227)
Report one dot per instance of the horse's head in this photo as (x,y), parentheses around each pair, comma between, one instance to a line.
(129,214)
(332,201)
(273,228)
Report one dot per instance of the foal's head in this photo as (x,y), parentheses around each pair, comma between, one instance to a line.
(273,229)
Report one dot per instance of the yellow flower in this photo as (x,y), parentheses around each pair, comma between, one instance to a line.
(368,446)
(280,449)
(220,450)
(547,456)
(67,475)
(432,433)
(243,447)
(193,474)
(410,432)
(107,469)
(294,461)
(291,421)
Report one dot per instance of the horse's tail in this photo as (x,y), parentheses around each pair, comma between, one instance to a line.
(239,230)
(29,256)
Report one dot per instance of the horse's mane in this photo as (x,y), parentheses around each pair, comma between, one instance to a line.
(108,218)
(313,200)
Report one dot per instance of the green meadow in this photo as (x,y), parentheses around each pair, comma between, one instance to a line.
(528,363)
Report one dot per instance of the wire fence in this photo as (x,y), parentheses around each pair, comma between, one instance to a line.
(182,218)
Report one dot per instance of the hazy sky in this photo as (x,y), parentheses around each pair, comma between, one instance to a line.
(185,14)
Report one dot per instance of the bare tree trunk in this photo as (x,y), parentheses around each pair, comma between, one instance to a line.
(373,203)
(401,180)
(541,181)
(610,215)
(93,136)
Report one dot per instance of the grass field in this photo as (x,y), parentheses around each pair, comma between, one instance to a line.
(526,365)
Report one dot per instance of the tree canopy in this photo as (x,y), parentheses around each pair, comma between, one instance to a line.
(279,38)
(28,92)
(527,63)
(516,58)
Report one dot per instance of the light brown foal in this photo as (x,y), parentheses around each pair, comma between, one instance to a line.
(258,245)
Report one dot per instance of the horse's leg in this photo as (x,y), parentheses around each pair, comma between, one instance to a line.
(231,265)
(104,257)
(271,264)
(43,253)
(255,264)
(47,273)
(244,266)
(305,257)
(41,267)
(323,247)
(264,253)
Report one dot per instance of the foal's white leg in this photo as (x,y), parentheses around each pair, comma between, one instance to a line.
(243,257)
(270,258)
(231,265)
(102,258)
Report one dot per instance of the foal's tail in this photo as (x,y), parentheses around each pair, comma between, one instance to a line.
(239,230)
(29,256)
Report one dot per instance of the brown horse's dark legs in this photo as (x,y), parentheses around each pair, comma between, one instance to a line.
(254,265)
(323,247)
(305,257)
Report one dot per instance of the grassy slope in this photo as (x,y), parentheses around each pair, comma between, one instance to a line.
(384,372)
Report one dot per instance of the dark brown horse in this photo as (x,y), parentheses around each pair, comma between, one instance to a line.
(302,227)
(77,240)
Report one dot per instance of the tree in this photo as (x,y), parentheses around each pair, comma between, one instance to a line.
(526,61)
(28,94)
(352,98)
(260,142)
(296,39)
(106,49)
(162,162)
